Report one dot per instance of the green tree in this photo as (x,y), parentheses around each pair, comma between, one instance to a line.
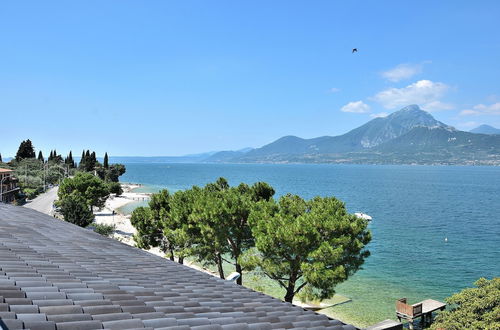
(178,229)
(93,189)
(82,161)
(148,223)
(314,244)
(106,165)
(114,172)
(473,308)
(40,156)
(75,210)
(115,188)
(69,160)
(25,150)
(1,161)
(222,217)
(148,230)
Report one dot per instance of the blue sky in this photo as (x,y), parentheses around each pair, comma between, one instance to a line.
(179,77)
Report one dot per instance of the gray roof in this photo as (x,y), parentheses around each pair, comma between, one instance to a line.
(54,275)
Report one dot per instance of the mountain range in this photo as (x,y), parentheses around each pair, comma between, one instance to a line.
(408,136)
(485,129)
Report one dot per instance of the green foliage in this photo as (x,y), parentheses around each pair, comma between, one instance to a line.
(114,172)
(104,230)
(178,229)
(221,214)
(93,189)
(26,150)
(106,161)
(88,161)
(69,160)
(114,188)
(75,210)
(40,156)
(313,243)
(149,232)
(474,308)
(31,193)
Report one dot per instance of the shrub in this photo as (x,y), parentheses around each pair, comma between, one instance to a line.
(75,210)
(104,230)
(30,193)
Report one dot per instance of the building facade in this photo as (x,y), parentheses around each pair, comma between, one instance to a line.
(8,186)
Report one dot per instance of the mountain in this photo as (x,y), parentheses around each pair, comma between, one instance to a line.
(485,129)
(369,135)
(225,156)
(410,135)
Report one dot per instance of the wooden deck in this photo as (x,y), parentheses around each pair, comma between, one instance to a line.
(423,309)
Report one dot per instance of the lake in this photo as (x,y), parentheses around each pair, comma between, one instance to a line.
(436,229)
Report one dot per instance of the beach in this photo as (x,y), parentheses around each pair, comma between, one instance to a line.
(124,231)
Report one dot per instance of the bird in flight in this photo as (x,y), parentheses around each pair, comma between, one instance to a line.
(354,50)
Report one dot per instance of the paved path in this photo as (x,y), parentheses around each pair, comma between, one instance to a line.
(43,202)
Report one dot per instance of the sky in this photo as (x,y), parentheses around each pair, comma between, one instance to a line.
(151,78)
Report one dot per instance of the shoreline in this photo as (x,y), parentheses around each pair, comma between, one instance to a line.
(124,232)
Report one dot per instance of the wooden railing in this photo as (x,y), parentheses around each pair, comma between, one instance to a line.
(403,308)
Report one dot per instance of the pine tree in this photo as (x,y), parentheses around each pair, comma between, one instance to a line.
(25,150)
(1,158)
(40,156)
(106,165)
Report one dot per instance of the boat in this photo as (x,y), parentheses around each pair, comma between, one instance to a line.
(363,216)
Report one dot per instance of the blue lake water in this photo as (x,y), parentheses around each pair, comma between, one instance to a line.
(414,208)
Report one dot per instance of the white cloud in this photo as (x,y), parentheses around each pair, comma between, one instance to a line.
(425,93)
(379,115)
(402,71)
(356,107)
(481,109)
(334,90)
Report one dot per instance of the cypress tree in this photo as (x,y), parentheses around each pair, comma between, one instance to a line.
(106,165)
(40,156)
(69,159)
(82,160)
(1,158)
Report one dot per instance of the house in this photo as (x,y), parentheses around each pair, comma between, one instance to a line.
(8,185)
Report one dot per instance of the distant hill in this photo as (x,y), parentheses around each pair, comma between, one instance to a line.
(192,158)
(408,136)
(485,129)
(225,156)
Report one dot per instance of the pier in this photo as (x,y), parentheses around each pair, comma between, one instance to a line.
(421,310)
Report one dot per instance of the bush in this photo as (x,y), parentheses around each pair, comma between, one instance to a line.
(30,192)
(115,188)
(104,230)
(75,210)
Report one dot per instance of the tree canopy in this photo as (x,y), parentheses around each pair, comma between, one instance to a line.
(26,150)
(75,210)
(90,187)
(314,244)
(473,308)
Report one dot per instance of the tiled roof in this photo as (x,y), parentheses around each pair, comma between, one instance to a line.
(5,170)
(54,275)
